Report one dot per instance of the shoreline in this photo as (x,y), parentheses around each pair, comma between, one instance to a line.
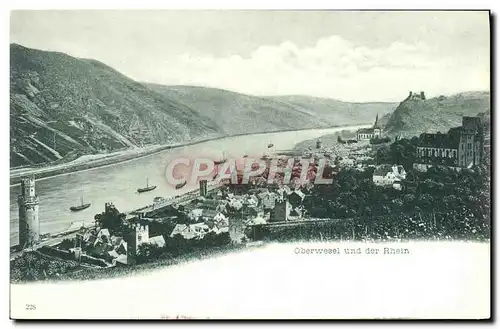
(123,156)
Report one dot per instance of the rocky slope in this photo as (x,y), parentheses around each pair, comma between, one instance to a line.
(62,107)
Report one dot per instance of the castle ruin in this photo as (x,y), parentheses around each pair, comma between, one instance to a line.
(416,96)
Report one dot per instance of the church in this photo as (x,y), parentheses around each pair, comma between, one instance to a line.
(461,147)
(369,133)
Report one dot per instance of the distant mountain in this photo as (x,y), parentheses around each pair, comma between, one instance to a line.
(339,112)
(62,107)
(415,116)
(237,113)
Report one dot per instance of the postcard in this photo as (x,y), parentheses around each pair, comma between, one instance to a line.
(264,164)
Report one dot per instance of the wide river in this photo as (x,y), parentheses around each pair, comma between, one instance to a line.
(118,183)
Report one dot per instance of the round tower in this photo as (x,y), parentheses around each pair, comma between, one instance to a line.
(29,225)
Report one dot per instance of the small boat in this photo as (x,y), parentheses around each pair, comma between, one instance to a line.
(181,185)
(158,199)
(147,188)
(221,161)
(270,145)
(245,156)
(80,207)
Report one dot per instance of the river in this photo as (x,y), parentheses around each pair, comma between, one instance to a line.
(117,183)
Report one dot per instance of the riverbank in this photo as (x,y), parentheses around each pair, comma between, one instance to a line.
(90,162)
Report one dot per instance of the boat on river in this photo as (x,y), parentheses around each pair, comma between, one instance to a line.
(147,188)
(82,206)
(180,185)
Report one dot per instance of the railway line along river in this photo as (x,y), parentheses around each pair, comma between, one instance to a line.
(118,183)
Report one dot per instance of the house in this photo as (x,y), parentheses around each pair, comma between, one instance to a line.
(104,232)
(236,203)
(251,201)
(158,241)
(121,259)
(122,248)
(281,211)
(215,217)
(195,214)
(388,175)
(346,162)
(267,200)
(99,249)
(296,197)
(119,244)
(191,231)
(113,254)
(220,220)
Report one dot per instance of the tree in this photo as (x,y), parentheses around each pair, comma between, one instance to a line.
(112,220)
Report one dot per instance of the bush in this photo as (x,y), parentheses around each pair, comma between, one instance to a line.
(32,265)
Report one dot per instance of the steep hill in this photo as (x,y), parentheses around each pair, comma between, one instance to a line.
(415,116)
(62,107)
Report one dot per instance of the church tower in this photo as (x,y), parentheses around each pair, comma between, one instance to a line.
(29,225)
(377,131)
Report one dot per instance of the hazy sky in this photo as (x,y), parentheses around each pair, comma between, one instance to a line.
(354,56)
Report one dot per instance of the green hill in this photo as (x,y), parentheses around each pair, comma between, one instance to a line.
(415,116)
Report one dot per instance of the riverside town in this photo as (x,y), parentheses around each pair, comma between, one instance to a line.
(353,185)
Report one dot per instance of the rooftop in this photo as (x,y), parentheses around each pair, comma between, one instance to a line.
(448,140)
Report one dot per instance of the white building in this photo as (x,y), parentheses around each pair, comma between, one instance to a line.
(158,240)
(369,133)
(389,175)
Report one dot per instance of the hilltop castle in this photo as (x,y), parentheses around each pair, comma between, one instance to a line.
(416,96)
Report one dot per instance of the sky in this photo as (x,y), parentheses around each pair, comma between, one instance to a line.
(351,56)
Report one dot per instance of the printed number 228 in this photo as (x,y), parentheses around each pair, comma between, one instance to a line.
(30,307)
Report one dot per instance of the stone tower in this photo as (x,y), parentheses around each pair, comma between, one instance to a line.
(471,142)
(203,187)
(318,144)
(137,235)
(29,225)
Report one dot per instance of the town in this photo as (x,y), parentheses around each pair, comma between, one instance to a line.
(434,186)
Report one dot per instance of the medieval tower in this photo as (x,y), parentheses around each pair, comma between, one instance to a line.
(318,144)
(29,225)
